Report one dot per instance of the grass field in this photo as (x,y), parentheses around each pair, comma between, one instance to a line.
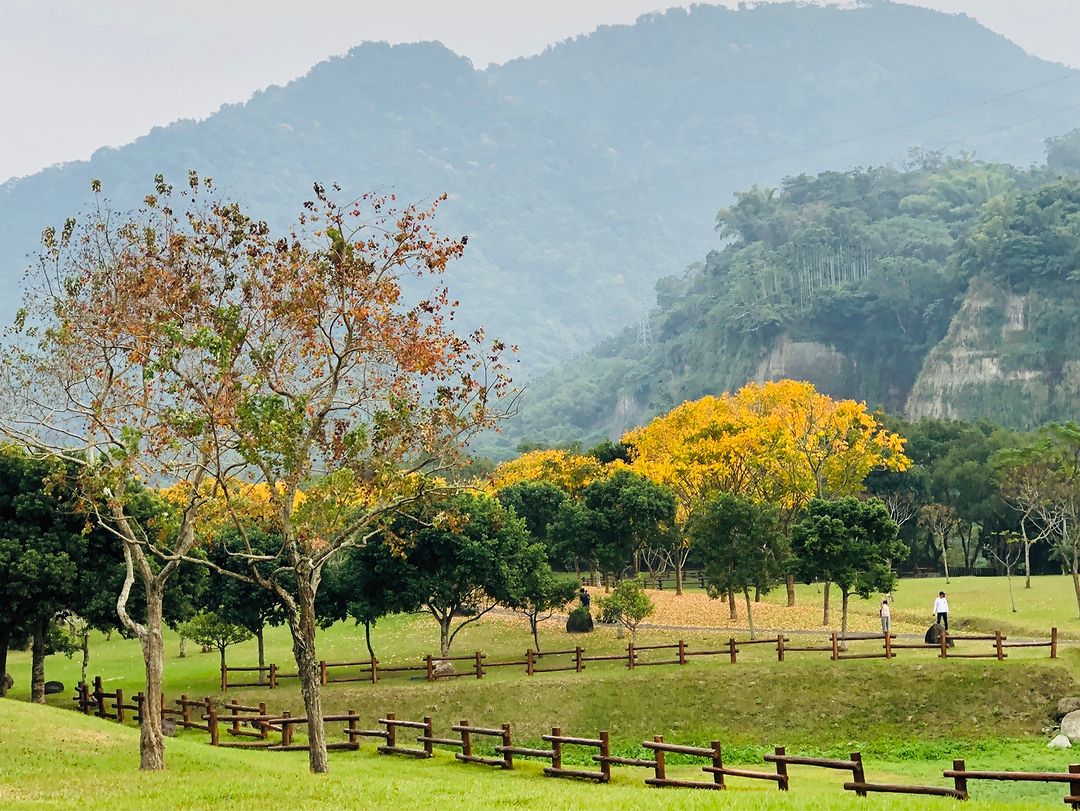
(909,716)
(58,760)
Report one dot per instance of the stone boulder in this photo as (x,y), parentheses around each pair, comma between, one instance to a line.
(1059,742)
(580,621)
(1070,726)
(933,636)
(53,687)
(1067,705)
(443,668)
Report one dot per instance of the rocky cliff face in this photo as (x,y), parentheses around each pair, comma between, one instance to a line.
(1004,358)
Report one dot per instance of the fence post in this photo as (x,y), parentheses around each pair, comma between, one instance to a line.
(391,730)
(286,729)
(479,665)
(779,647)
(682,652)
(162,706)
(731,649)
(374,670)
(997,646)
(1053,643)
(119,706)
(658,758)
(429,733)
(323,676)
(960,783)
(352,730)
(430,668)
(781,769)
(273,675)
(466,738)
(835,647)
(234,711)
(185,712)
(556,748)
(605,753)
(529,662)
(264,727)
(1074,785)
(99,696)
(508,756)
(630,655)
(943,640)
(888,645)
(717,762)
(859,773)
(578,664)
(211,722)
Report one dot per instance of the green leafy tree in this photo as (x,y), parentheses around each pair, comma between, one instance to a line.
(741,546)
(370,582)
(537,503)
(629,603)
(540,591)
(851,543)
(211,630)
(465,554)
(42,545)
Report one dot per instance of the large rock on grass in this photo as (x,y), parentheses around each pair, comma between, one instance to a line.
(1067,705)
(580,621)
(1070,726)
(1059,742)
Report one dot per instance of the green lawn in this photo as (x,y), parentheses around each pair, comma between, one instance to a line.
(980,603)
(55,759)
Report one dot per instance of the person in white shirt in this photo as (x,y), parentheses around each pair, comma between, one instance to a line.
(886,623)
(941,608)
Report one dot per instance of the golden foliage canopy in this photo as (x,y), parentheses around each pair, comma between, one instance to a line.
(780,442)
(571,471)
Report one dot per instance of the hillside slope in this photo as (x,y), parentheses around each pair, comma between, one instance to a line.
(587,172)
(947,290)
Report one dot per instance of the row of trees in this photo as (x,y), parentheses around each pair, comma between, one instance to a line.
(296,375)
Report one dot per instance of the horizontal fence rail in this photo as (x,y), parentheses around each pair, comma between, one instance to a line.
(252,726)
(434,668)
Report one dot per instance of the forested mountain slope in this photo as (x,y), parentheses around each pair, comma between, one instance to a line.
(951,289)
(587,172)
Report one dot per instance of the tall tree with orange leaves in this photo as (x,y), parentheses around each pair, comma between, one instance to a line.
(188,345)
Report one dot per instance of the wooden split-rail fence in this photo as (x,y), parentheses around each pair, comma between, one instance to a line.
(237,725)
(476,665)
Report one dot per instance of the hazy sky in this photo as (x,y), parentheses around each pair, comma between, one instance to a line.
(79,74)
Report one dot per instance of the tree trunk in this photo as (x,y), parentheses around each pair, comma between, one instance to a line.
(825,614)
(1076,577)
(843,616)
(732,611)
(945,563)
(749,613)
(678,573)
(533,622)
(183,646)
(1027,564)
(5,640)
(757,594)
(37,667)
(1012,599)
(85,652)
(221,650)
(262,652)
(302,626)
(444,634)
(151,739)
(367,641)
(789,581)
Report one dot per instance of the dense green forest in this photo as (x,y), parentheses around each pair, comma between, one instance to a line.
(585,173)
(870,283)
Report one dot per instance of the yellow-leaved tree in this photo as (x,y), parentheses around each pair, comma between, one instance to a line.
(573,472)
(781,443)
